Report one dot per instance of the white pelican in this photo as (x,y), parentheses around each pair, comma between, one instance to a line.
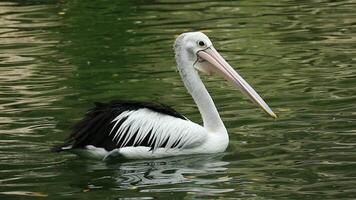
(144,130)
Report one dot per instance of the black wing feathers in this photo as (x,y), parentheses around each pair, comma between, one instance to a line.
(94,129)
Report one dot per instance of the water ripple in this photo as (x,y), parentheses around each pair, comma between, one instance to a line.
(56,58)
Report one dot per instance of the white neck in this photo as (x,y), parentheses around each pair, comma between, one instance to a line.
(211,118)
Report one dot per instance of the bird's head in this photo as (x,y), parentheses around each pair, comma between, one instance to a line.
(197,49)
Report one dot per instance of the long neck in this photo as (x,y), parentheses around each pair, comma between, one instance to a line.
(211,118)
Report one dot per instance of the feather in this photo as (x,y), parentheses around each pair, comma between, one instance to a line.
(121,124)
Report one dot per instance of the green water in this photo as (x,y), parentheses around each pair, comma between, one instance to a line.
(58,57)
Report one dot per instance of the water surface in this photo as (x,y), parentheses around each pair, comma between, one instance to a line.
(58,57)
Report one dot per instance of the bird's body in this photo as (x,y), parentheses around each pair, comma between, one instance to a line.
(139,130)
(146,130)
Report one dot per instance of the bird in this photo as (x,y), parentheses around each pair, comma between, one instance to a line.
(145,130)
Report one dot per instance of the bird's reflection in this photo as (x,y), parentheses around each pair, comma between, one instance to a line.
(202,169)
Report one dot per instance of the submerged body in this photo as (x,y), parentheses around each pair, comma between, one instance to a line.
(144,130)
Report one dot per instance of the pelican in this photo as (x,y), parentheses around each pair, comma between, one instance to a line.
(136,130)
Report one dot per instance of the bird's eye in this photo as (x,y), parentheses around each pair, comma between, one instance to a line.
(201,43)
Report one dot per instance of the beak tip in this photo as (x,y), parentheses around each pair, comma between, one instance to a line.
(274,115)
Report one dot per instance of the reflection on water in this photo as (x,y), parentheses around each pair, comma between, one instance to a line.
(27,72)
(56,58)
(169,171)
(31,72)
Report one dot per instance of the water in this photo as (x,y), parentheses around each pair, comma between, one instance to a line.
(57,57)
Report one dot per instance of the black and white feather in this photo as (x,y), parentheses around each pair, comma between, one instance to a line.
(122,124)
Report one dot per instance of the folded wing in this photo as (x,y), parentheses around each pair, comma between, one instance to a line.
(131,124)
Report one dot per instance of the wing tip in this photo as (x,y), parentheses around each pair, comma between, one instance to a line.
(60,148)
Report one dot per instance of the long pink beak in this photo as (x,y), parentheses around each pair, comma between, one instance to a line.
(222,67)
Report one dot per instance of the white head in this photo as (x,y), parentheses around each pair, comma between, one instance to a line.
(195,51)
(188,45)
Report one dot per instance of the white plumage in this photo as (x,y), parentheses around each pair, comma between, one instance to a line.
(169,130)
